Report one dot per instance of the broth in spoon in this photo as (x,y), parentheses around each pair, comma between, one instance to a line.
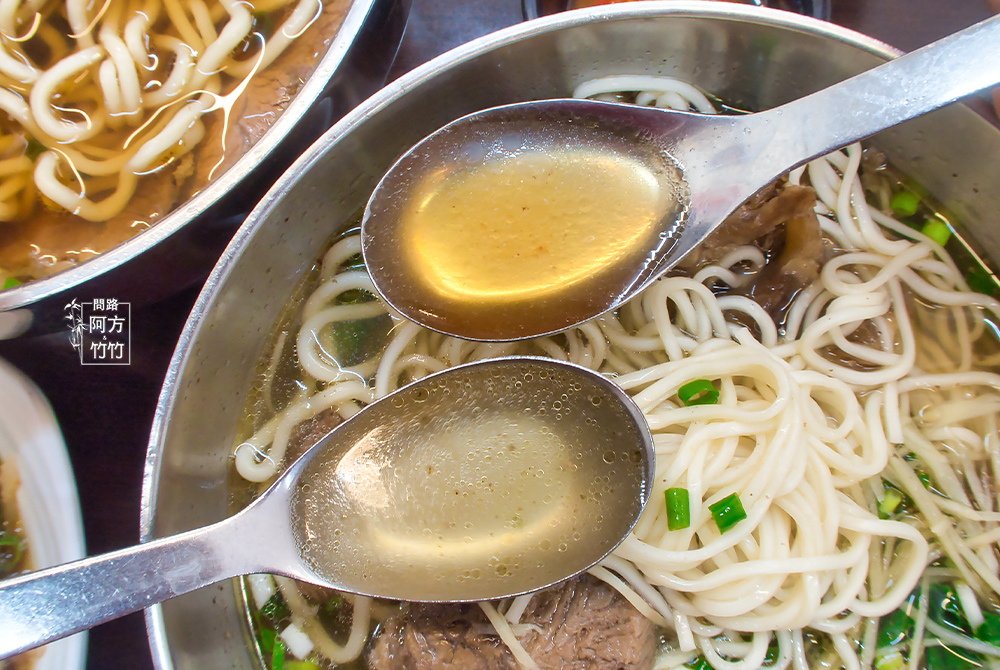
(372,472)
(660,182)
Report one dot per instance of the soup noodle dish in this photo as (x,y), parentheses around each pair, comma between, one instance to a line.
(820,378)
(117,113)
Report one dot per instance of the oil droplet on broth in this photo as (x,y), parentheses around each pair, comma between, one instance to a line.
(421,506)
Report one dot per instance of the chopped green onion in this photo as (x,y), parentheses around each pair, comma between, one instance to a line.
(276,609)
(896,627)
(989,629)
(11,550)
(698,663)
(264,24)
(355,262)
(924,478)
(891,660)
(267,638)
(981,280)
(359,340)
(951,658)
(355,296)
(698,392)
(301,665)
(34,149)
(905,203)
(937,230)
(889,503)
(278,655)
(678,508)
(773,652)
(945,607)
(727,512)
(10,282)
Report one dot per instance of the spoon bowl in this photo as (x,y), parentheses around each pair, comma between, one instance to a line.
(523,220)
(483,481)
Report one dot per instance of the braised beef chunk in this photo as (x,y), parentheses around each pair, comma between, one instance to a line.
(758,217)
(795,267)
(582,624)
(427,636)
(308,433)
(781,221)
(587,625)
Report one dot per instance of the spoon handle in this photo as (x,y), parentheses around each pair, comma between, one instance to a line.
(43,606)
(904,88)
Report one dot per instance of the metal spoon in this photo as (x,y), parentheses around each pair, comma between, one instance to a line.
(688,172)
(480,482)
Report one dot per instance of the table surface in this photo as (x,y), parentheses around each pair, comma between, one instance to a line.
(106,412)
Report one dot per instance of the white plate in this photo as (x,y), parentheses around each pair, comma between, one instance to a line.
(49,506)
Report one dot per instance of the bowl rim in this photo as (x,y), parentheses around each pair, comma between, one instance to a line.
(261,213)
(432,68)
(530,9)
(194,207)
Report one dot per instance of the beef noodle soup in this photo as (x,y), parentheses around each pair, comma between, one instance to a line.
(820,380)
(118,111)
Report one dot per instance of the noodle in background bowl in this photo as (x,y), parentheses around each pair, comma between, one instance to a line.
(751,58)
(183,245)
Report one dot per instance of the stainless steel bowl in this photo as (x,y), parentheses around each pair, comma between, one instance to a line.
(754,58)
(185,244)
(819,9)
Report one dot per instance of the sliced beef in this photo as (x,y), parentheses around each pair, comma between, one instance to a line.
(309,432)
(439,637)
(796,266)
(781,221)
(582,624)
(587,625)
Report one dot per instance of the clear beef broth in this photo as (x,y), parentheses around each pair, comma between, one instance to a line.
(391,626)
(39,237)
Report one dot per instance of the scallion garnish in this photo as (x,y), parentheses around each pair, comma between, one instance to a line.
(904,203)
(266,638)
(891,660)
(276,608)
(698,392)
(678,508)
(989,630)
(301,665)
(981,280)
(937,230)
(896,627)
(727,512)
(10,282)
(264,24)
(278,655)
(698,663)
(11,550)
(890,501)
(33,149)
(924,478)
